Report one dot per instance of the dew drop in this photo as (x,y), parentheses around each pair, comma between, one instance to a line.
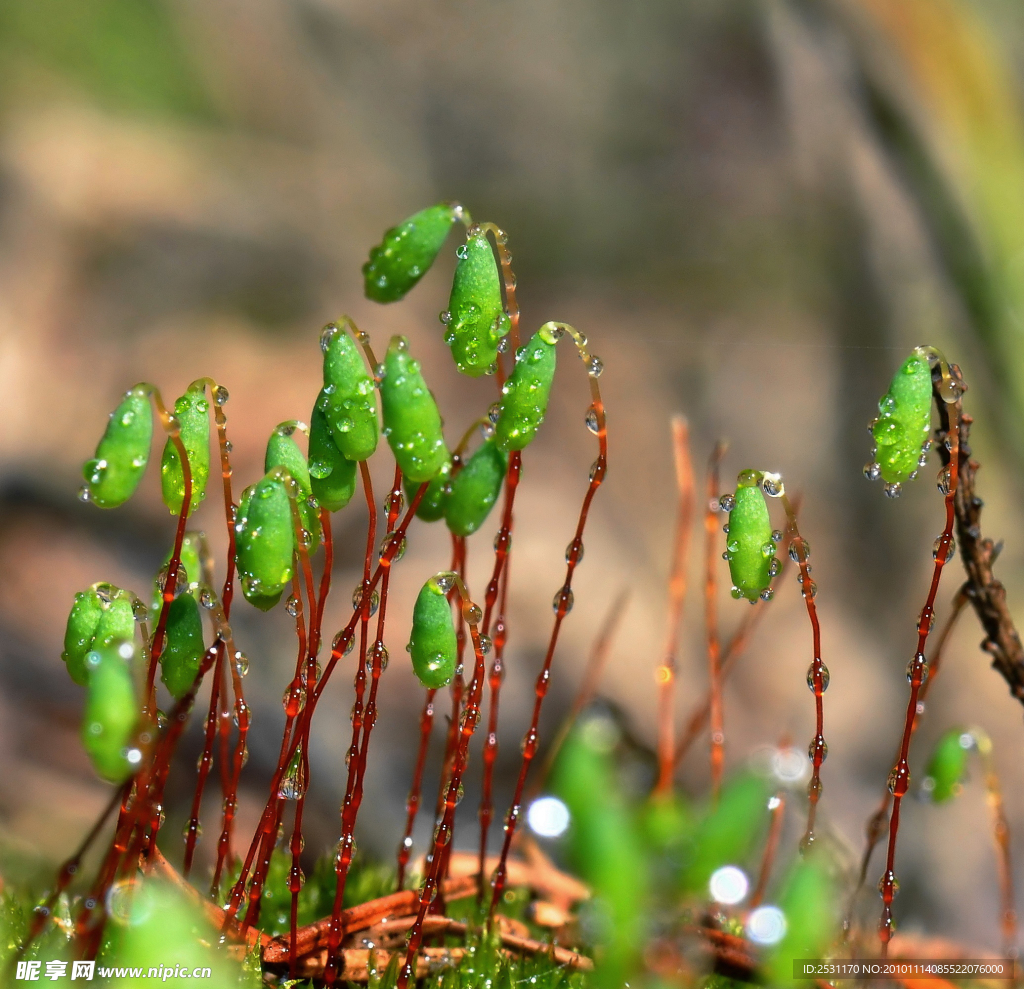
(293,783)
(893,490)
(357,597)
(591,420)
(292,606)
(727,503)
(220,395)
(563,600)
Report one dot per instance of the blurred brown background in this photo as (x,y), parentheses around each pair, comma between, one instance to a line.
(754,210)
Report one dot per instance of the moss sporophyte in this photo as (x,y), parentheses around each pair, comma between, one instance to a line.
(665,867)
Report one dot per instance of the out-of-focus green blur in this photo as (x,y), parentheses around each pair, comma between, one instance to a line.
(753,209)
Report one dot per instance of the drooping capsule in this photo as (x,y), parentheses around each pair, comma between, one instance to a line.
(122,454)
(99,616)
(475,489)
(431,507)
(475,320)
(948,765)
(348,401)
(750,548)
(432,644)
(524,397)
(407,252)
(264,542)
(183,648)
(284,452)
(111,711)
(904,419)
(412,423)
(332,476)
(192,413)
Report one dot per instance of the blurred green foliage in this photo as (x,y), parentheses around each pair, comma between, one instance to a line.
(126,54)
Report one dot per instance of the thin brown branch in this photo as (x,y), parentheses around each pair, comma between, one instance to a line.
(986,594)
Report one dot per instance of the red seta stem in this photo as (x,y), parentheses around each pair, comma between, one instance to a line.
(711,619)
(588,687)
(771,847)
(490,752)
(295,704)
(917,671)
(343,859)
(458,684)
(339,648)
(205,762)
(458,565)
(876,823)
(563,601)
(412,804)
(443,832)
(225,853)
(817,674)
(666,673)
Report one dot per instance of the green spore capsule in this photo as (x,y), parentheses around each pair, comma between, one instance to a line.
(475,489)
(347,399)
(412,423)
(183,648)
(432,504)
(99,616)
(332,476)
(111,712)
(192,413)
(407,252)
(750,548)
(524,397)
(284,452)
(112,476)
(432,644)
(264,543)
(475,320)
(190,573)
(948,765)
(902,427)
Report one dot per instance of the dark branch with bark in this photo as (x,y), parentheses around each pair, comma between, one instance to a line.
(986,594)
